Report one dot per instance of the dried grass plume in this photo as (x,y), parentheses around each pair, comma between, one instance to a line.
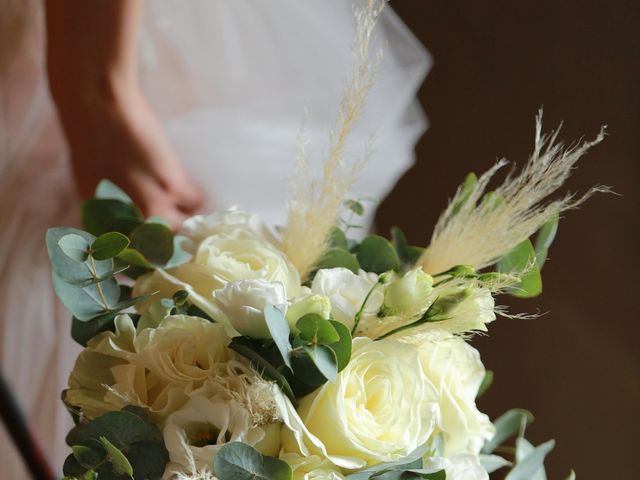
(315,205)
(478,231)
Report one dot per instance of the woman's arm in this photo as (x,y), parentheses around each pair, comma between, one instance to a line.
(110,128)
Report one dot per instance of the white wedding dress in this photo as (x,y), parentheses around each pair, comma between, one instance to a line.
(232,81)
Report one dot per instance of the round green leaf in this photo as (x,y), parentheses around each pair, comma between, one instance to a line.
(376,254)
(75,247)
(338,257)
(108,245)
(341,348)
(239,461)
(279,330)
(102,215)
(317,330)
(107,189)
(154,241)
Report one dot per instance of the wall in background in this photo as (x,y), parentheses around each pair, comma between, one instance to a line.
(577,367)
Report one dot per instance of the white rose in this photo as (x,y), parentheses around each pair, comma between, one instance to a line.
(194,434)
(347,292)
(381,408)
(454,367)
(155,369)
(231,250)
(409,295)
(198,228)
(243,304)
(459,467)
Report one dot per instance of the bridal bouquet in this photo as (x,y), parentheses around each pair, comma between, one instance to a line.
(231,351)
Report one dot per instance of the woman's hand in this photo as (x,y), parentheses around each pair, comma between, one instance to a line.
(110,129)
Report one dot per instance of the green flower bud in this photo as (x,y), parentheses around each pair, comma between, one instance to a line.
(305,304)
(408,295)
(444,307)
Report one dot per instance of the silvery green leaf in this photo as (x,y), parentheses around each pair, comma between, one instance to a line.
(532,463)
(491,463)
(521,261)
(376,254)
(107,189)
(407,462)
(507,425)
(523,449)
(280,331)
(342,348)
(75,247)
(325,361)
(239,461)
(179,256)
(81,305)
(70,269)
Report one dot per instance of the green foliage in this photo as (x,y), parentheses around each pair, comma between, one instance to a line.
(508,425)
(83,331)
(486,383)
(315,329)
(355,206)
(102,215)
(109,245)
(279,330)
(338,257)
(407,254)
(107,189)
(154,241)
(239,461)
(545,237)
(521,262)
(376,254)
(531,466)
(115,446)
(408,468)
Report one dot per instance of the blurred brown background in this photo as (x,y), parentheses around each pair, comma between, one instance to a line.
(495,63)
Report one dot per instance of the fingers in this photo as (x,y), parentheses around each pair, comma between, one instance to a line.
(190,199)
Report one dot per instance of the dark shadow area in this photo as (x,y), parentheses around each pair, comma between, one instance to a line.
(495,63)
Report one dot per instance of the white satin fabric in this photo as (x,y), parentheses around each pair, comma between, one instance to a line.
(232,81)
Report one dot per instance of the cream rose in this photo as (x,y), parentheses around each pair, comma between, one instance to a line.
(155,369)
(454,367)
(347,293)
(380,409)
(243,304)
(226,247)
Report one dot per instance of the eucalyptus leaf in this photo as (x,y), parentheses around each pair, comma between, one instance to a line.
(81,305)
(545,237)
(521,261)
(83,331)
(280,331)
(102,215)
(491,463)
(86,457)
(325,361)
(338,257)
(355,206)
(507,425)
(524,448)
(239,461)
(120,463)
(134,257)
(486,383)
(75,247)
(342,347)
(180,256)
(154,241)
(407,254)
(74,271)
(531,464)
(376,254)
(338,239)
(108,245)
(107,189)
(400,464)
(317,330)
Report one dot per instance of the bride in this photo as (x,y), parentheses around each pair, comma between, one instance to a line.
(188,106)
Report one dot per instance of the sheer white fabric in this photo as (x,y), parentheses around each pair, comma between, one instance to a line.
(231,80)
